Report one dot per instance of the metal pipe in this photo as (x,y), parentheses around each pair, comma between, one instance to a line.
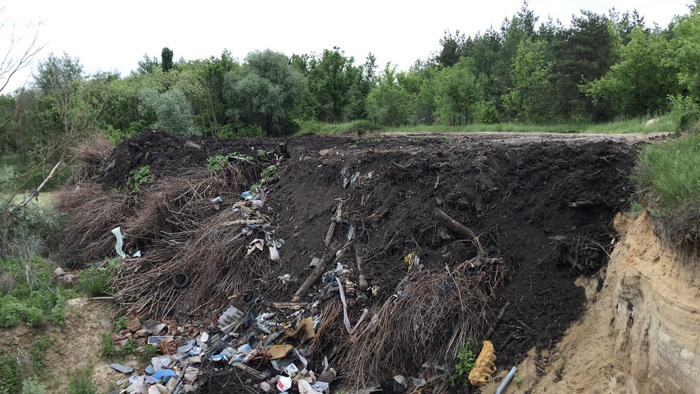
(507,380)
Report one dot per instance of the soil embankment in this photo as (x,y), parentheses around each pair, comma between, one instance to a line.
(639,332)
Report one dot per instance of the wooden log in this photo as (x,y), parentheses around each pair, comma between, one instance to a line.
(295,306)
(315,274)
(454,225)
(334,222)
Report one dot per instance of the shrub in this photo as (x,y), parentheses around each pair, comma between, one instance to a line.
(10,373)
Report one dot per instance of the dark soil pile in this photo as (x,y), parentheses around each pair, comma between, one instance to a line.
(167,155)
(546,208)
(542,212)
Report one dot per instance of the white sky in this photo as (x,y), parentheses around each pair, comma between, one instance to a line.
(114,36)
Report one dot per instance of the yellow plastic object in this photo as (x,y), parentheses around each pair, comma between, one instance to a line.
(484,366)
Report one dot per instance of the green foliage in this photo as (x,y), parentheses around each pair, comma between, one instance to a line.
(264,91)
(268,171)
(670,172)
(121,323)
(36,355)
(36,220)
(107,349)
(130,348)
(518,379)
(389,103)
(28,295)
(10,374)
(458,94)
(685,112)
(139,177)
(625,89)
(148,352)
(96,281)
(217,162)
(466,357)
(81,382)
(32,385)
(529,73)
(167,56)
(171,108)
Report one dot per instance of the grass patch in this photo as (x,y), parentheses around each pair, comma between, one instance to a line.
(81,382)
(669,174)
(316,127)
(97,281)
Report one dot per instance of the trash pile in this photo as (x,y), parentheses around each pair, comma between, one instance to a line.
(361,268)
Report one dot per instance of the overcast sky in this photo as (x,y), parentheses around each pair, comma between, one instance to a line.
(114,36)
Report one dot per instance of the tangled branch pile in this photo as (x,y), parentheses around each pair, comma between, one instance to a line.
(429,318)
(179,231)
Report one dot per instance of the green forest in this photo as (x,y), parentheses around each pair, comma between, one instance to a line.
(597,68)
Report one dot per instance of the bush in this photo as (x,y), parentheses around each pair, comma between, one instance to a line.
(670,173)
(10,374)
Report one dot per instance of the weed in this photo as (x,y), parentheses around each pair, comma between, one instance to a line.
(215,163)
(261,154)
(81,382)
(106,346)
(121,323)
(130,348)
(634,209)
(518,379)
(33,386)
(138,177)
(148,352)
(353,146)
(466,357)
(269,171)
(29,294)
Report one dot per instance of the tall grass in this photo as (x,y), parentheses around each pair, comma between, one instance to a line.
(670,172)
(623,126)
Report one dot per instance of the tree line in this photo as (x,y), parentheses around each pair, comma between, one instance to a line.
(599,67)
